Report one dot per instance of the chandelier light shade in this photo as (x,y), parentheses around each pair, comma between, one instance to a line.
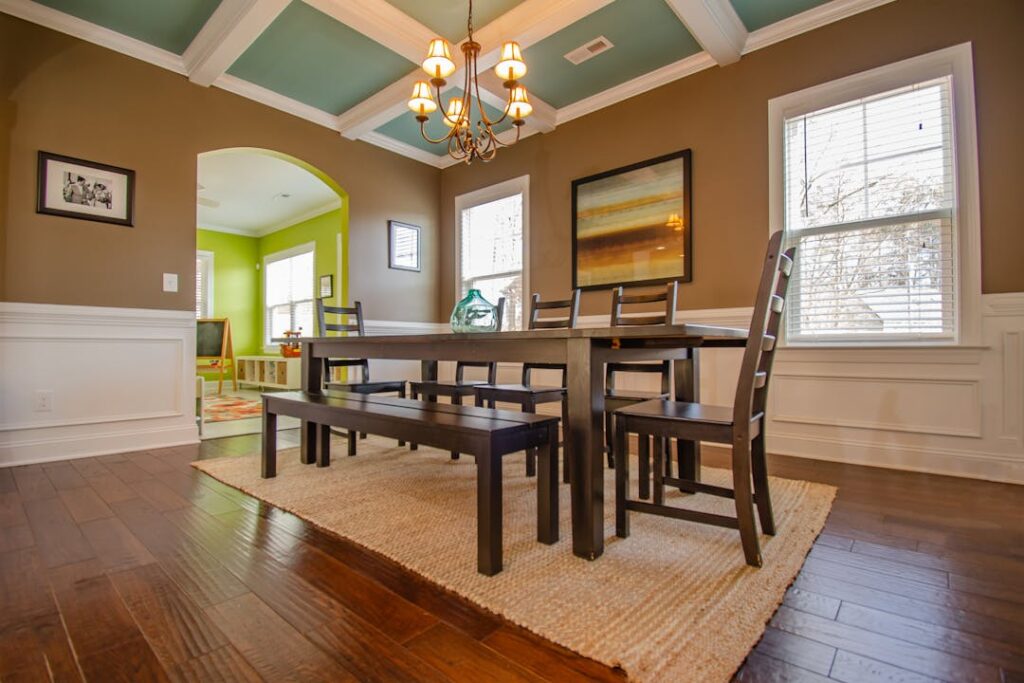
(471,132)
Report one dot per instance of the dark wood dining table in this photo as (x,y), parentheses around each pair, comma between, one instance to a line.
(584,351)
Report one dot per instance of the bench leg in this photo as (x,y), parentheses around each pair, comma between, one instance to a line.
(412,444)
(659,470)
(307,455)
(645,465)
(456,401)
(268,466)
(547,490)
(323,455)
(351,442)
(488,514)
(401,394)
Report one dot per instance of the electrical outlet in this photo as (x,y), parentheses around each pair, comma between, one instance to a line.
(44,401)
(170,282)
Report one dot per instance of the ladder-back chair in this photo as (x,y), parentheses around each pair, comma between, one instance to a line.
(742,426)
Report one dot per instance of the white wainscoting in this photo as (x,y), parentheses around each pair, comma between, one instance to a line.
(121,380)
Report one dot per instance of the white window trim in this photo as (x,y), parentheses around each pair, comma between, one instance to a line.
(507,188)
(280,256)
(208,256)
(956,61)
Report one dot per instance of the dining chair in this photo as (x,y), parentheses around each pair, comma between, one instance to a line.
(616,397)
(742,426)
(526,394)
(353,324)
(461,387)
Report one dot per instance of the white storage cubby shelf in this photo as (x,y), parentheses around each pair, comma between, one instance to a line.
(275,372)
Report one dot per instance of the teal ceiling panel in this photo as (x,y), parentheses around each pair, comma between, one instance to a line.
(760,13)
(167,24)
(310,57)
(448,17)
(406,128)
(646,35)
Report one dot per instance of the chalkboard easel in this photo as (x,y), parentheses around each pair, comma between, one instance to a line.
(214,350)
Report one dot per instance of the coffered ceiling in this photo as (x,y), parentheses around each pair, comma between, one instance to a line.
(349,65)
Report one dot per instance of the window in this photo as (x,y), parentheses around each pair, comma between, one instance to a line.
(204,284)
(288,292)
(871,198)
(491,245)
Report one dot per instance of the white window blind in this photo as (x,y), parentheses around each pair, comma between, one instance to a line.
(491,254)
(288,281)
(204,284)
(870,202)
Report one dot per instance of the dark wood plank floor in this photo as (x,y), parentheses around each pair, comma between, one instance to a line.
(137,567)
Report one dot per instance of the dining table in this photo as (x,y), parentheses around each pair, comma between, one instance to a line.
(584,352)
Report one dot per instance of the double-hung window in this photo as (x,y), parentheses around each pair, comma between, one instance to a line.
(491,244)
(288,292)
(869,194)
(204,284)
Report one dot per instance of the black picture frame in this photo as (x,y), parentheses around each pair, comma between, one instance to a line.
(82,199)
(395,259)
(326,283)
(685,236)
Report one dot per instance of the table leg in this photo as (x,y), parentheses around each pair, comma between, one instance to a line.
(428,370)
(687,388)
(313,383)
(268,467)
(583,438)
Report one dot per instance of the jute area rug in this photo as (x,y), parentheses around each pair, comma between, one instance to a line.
(673,602)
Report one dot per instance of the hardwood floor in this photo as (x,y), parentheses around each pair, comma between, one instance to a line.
(137,567)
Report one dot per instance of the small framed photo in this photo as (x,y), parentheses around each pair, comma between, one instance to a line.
(89,190)
(403,246)
(326,286)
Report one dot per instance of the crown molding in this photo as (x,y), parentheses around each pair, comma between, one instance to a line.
(257,93)
(213,227)
(405,149)
(326,207)
(93,33)
(819,16)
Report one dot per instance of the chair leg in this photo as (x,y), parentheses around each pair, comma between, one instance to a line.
(488,514)
(415,396)
(609,439)
(401,394)
(547,490)
(659,470)
(621,478)
(745,502)
(566,469)
(531,453)
(666,447)
(761,495)
(456,401)
(645,465)
(479,400)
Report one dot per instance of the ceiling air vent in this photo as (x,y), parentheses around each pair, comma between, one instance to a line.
(588,50)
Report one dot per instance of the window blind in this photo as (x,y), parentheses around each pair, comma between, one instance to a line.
(288,301)
(204,278)
(869,202)
(491,254)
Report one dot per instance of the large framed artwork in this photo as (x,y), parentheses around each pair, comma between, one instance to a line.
(631,225)
(76,188)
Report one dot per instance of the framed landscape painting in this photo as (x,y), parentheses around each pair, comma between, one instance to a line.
(76,188)
(631,225)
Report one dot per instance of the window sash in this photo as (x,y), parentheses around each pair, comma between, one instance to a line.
(295,298)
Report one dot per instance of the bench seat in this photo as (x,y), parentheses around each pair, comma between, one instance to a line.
(484,433)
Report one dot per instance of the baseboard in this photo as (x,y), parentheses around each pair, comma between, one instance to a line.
(50,447)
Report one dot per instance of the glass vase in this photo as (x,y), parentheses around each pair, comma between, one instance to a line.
(474,314)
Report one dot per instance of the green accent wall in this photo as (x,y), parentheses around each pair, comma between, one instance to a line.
(236,284)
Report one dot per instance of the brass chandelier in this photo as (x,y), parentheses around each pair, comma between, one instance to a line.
(468,139)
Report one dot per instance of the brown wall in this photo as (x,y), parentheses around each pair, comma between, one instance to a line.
(722,114)
(70,97)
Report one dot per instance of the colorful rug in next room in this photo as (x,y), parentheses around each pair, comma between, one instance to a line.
(230,407)
(673,602)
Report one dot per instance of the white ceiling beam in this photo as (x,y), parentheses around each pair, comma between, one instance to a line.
(229,32)
(381,22)
(528,23)
(715,25)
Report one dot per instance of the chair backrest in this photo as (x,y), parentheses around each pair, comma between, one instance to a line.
(354,324)
(664,368)
(762,341)
(492,368)
(568,321)
(620,298)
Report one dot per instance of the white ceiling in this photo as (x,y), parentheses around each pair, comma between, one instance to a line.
(248,190)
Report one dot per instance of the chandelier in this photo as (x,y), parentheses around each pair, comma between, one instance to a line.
(471,132)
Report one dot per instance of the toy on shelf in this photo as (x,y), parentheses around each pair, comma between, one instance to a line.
(292,349)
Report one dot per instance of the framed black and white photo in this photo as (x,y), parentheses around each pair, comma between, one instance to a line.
(403,246)
(326,286)
(77,188)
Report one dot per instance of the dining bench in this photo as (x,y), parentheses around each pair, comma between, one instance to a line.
(484,433)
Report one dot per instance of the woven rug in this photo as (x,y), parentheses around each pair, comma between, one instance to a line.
(673,602)
(224,407)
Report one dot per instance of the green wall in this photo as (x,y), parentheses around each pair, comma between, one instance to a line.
(237,271)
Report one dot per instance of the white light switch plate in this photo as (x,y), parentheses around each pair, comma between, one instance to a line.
(170,282)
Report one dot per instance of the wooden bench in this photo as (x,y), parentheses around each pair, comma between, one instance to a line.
(483,433)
